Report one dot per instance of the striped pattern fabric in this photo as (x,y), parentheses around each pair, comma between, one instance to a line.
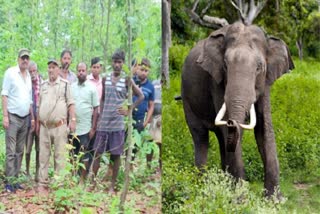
(115,95)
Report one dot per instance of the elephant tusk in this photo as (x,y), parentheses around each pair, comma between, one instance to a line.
(218,121)
(253,119)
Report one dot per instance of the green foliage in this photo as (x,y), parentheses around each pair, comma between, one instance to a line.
(289,20)
(185,191)
(47,27)
(177,54)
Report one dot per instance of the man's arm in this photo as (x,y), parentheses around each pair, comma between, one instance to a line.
(94,122)
(32,118)
(72,122)
(5,122)
(136,91)
(149,113)
(102,96)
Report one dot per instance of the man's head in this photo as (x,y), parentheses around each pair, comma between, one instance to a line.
(82,72)
(66,59)
(33,70)
(53,70)
(118,58)
(143,69)
(96,67)
(23,59)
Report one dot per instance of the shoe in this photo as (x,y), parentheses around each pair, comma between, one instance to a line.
(10,188)
(18,186)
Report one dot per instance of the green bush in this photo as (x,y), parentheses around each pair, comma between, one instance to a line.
(184,191)
(177,54)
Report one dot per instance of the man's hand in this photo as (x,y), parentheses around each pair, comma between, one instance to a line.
(123,111)
(38,128)
(91,133)
(145,124)
(5,122)
(33,125)
(72,126)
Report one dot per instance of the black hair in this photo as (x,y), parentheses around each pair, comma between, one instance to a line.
(64,52)
(95,60)
(118,54)
(145,62)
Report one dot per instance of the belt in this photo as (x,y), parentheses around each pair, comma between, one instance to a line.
(52,125)
(24,117)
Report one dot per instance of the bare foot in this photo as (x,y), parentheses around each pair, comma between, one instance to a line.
(43,191)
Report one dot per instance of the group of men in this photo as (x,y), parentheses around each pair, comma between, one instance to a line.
(85,109)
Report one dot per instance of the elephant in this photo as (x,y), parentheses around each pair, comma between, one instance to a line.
(226,80)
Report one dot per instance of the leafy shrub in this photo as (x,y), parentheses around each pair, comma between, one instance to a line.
(177,54)
(184,191)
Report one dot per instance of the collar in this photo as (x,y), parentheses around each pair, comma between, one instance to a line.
(57,81)
(90,77)
(19,71)
(143,83)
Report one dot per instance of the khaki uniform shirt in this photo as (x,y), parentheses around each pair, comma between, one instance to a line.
(54,100)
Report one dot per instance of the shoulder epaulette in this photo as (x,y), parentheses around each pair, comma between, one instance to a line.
(44,81)
(64,80)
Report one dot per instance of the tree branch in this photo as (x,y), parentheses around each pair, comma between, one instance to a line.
(203,12)
(205,20)
(248,17)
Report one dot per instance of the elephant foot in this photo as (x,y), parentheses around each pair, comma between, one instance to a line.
(275,196)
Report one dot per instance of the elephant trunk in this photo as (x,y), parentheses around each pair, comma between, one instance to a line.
(233,137)
(236,117)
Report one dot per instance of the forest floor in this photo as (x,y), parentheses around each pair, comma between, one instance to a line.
(145,199)
(302,196)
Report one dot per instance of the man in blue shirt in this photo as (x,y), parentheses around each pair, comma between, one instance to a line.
(143,113)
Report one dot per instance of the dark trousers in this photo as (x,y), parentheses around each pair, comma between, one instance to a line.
(16,137)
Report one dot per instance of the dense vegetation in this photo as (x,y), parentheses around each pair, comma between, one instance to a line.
(88,28)
(295,101)
(294,21)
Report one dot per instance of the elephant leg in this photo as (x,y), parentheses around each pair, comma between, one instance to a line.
(201,143)
(200,136)
(265,138)
(221,136)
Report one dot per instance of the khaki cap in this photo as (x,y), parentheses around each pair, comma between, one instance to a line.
(23,52)
(53,61)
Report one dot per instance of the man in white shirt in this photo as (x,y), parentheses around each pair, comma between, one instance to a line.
(17,108)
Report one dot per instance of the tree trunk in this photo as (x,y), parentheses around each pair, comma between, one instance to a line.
(166,41)
(299,45)
(83,39)
(129,134)
(105,51)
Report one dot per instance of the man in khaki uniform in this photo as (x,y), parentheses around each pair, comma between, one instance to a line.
(55,102)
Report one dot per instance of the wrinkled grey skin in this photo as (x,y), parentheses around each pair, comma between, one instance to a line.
(236,64)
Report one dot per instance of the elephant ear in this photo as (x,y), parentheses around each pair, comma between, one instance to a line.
(211,54)
(278,59)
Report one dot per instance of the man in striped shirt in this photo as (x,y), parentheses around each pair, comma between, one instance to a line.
(110,135)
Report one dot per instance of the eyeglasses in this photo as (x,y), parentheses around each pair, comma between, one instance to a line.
(24,57)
